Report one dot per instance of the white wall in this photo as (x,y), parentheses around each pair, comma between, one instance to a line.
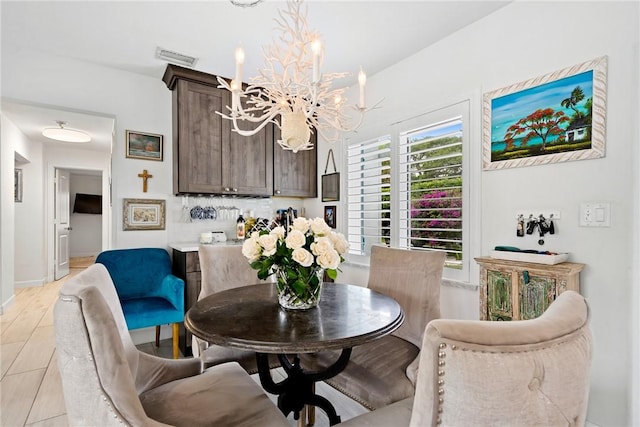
(8,136)
(521,41)
(85,238)
(6,217)
(22,259)
(635,273)
(29,221)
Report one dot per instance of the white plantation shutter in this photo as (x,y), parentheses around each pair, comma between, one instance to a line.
(411,189)
(368,194)
(430,189)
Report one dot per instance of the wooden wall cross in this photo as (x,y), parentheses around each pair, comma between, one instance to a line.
(145,176)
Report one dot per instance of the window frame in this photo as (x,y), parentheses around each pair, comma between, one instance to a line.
(395,130)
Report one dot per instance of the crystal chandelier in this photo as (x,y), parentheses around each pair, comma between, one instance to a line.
(292,86)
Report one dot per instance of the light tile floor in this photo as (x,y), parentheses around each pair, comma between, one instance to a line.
(30,385)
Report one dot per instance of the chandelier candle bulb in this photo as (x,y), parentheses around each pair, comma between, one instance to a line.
(362,80)
(316,48)
(239,62)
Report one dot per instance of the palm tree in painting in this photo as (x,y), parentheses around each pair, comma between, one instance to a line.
(572,101)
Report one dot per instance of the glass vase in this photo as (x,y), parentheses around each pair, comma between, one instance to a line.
(299,288)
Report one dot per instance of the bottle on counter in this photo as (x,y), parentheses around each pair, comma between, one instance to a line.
(240,227)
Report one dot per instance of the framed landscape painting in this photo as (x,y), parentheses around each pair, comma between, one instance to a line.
(146,146)
(553,118)
(143,214)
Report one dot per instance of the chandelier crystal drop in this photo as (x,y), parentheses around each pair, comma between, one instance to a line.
(292,86)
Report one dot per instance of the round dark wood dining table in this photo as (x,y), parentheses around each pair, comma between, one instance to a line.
(250,318)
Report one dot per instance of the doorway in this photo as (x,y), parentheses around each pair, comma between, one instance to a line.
(88,233)
(77,217)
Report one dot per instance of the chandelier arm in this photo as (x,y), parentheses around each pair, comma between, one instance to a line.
(251,132)
(328,138)
(236,128)
(234,116)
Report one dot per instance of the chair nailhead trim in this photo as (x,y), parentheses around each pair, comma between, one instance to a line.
(441,363)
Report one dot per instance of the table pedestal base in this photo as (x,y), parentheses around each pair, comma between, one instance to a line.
(297,390)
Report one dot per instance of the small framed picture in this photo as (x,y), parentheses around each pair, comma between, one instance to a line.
(143,214)
(330,216)
(146,146)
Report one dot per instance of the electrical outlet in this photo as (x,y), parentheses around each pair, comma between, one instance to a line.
(595,214)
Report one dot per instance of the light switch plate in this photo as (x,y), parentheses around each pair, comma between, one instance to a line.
(595,214)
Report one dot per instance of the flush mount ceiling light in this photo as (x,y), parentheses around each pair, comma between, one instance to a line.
(61,133)
(292,86)
(245,3)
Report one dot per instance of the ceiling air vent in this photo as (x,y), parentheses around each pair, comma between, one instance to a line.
(175,57)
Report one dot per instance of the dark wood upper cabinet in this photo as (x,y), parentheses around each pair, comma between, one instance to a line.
(208,158)
(294,174)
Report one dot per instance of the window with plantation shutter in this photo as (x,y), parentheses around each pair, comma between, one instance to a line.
(430,189)
(369,194)
(411,189)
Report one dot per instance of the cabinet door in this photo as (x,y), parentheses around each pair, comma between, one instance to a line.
(294,174)
(500,297)
(536,293)
(248,162)
(201,133)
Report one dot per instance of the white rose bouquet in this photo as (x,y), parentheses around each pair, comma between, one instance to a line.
(298,257)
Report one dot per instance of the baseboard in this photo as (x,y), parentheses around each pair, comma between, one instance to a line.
(7,304)
(30,283)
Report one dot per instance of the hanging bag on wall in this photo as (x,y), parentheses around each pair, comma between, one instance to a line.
(331,181)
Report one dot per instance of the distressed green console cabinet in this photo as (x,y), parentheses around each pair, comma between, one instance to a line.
(513,290)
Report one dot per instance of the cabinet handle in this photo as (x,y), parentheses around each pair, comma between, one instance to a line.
(277,191)
(235,190)
(227,189)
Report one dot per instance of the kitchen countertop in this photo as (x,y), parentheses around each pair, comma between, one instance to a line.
(193,246)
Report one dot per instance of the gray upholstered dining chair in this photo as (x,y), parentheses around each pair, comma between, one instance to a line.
(107,381)
(383,371)
(224,267)
(484,373)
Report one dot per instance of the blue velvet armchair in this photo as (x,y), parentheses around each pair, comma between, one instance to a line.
(149,294)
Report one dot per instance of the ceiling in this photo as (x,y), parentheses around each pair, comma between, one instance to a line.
(31,119)
(373,34)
